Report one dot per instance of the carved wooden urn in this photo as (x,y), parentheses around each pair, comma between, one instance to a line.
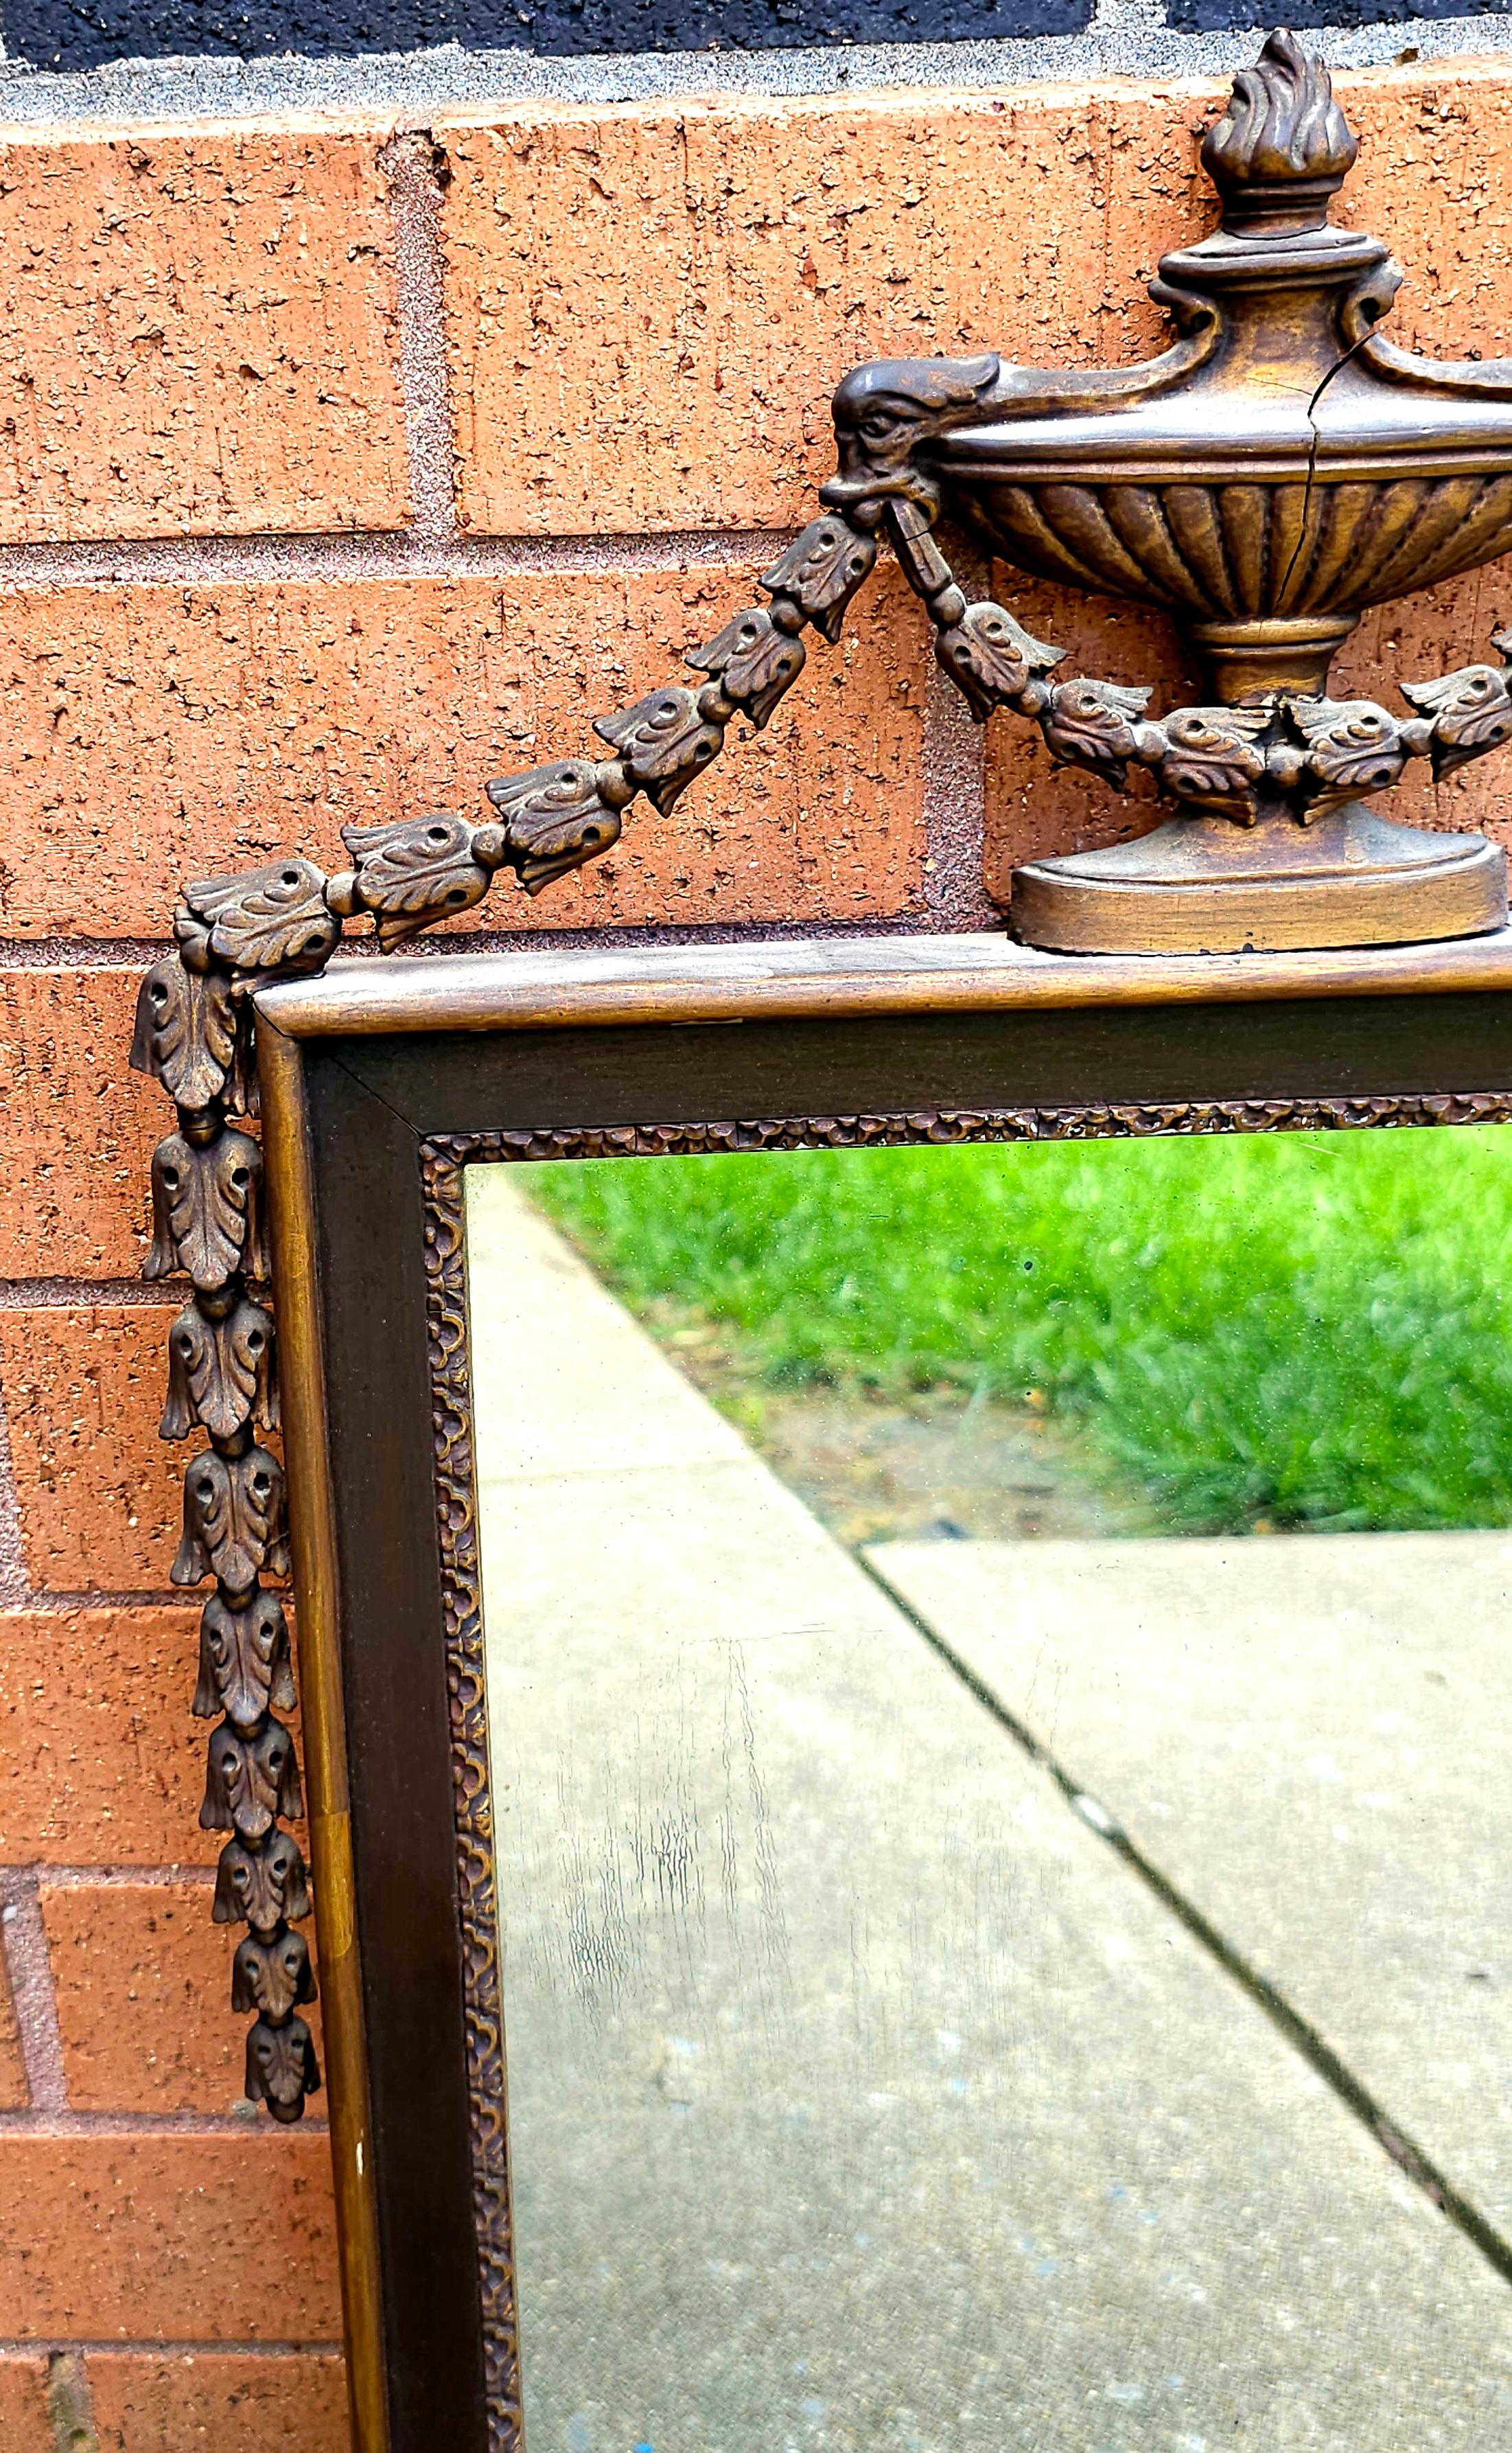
(1278,468)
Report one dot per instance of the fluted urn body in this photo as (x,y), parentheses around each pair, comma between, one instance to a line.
(1282,468)
(1278,469)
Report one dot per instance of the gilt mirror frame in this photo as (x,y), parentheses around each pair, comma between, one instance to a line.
(379,1085)
(1275,956)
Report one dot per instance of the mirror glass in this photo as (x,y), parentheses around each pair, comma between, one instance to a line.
(999,1713)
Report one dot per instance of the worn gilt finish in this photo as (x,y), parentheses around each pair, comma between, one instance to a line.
(1272,843)
(466,1686)
(1276,471)
(1265,529)
(193,1035)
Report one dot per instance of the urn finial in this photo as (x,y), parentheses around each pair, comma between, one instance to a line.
(1282,147)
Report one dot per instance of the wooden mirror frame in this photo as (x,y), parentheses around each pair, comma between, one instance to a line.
(380,1083)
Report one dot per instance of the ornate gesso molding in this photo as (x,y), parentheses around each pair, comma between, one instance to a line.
(466,1690)
(193,1035)
(443,1160)
(1094,1121)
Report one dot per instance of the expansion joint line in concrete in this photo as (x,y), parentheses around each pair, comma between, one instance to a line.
(1419,2167)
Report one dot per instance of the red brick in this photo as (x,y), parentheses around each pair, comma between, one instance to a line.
(14,2092)
(143,1982)
(100,1495)
(219,2402)
(143,2237)
(22,2405)
(100,1760)
(76,1128)
(224,726)
(649,306)
(200,334)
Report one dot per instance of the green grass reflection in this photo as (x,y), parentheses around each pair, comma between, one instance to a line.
(1301,1330)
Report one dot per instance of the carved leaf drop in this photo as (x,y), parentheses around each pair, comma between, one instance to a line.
(821,571)
(1213,759)
(244,1660)
(281,2066)
(268,919)
(991,658)
(207,1210)
(220,1373)
(249,1782)
(272,1977)
(665,740)
(416,871)
(1352,746)
(1471,712)
(261,1886)
(755,660)
(1091,724)
(233,1521)
(557,817)
(186,1032)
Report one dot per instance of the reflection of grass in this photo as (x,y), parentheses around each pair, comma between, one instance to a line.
(1301,1329)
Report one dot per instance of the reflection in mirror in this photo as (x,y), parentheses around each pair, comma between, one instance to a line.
(998,1725)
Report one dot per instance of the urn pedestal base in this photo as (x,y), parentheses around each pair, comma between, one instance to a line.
(1204,885)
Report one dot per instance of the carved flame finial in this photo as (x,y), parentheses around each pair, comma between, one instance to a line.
(1283,144)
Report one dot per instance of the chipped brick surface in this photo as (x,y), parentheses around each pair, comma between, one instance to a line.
(100,1761)
(142,1984)
(24,2426)
(224,726)
(219,2402)
(100,1495)
(199,335)
(76,1127)
(649,307)
(143,2237)
(14,2092)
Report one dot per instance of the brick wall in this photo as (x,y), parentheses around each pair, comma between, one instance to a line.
(340,468)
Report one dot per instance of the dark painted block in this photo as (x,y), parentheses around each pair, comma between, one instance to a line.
(84,33)
(1214,17)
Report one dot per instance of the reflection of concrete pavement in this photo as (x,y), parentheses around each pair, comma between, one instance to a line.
(860,2100)
(1309,1735)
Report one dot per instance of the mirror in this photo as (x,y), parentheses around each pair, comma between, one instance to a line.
(997,1716)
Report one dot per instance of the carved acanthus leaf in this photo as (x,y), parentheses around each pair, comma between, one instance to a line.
(272,1977)
(1213,759)
(991,658)
(418,870)
(756,660)
(664,740)
(821,571)
(233,1521)
(207,1210)
(1353,747)
(220,1373)
(250,1782)
(268,919)
(1470,712)
(261,1886)
(244,1660)
(185,1035)
(556,817)
(281,2066)
(1091,724)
